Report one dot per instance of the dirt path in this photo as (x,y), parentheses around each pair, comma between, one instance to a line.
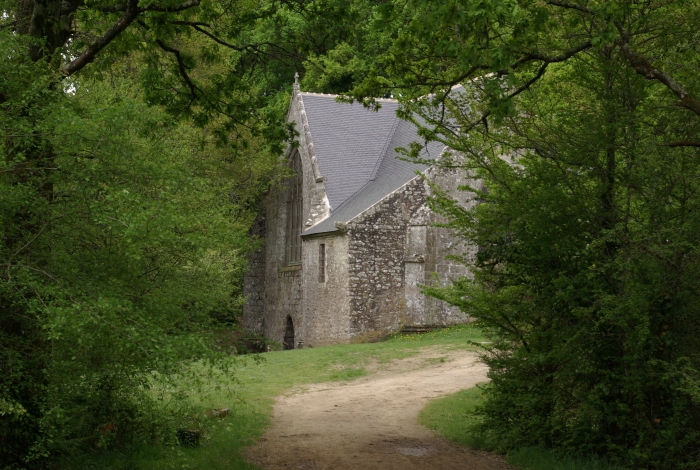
(372,423)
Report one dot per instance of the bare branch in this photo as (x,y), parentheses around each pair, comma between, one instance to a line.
(190,23)
(524,87)
(9,261)
(117,220)
(198,27)
(557,58)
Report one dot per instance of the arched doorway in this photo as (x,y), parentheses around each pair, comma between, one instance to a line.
(289,334)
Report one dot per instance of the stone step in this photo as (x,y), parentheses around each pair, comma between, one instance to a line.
(409,329)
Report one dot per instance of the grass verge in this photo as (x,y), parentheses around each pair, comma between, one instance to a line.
(249,392)
(454,417)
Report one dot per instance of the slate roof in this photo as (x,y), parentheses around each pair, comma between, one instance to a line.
(354,149)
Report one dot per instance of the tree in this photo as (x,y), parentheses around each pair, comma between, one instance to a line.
(582,120)
(118,274)
(136,138)
(123,227)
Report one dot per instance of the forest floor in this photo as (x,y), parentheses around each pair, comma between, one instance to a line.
(372,422)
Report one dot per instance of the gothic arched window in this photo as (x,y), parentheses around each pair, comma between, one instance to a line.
(294,212)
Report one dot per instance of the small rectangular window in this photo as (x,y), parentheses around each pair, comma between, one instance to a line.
(322,262)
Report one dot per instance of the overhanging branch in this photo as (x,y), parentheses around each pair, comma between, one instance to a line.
(571,6)
(200,27)
(639,63)
(647,70)
(174,9)
(130,14)
(181,67)
(682,143)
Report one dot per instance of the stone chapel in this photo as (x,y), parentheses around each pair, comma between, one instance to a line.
(348,239)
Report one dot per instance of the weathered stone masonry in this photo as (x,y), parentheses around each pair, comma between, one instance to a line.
(376,257)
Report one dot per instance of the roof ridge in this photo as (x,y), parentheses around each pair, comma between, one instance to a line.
(390,100)
(385,196)
(385,148)
(352,196)
(377,165)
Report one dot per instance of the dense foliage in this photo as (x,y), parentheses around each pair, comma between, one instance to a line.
(137,137)
(118,252)
(581,120)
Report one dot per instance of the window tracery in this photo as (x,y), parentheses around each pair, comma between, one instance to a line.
(294,211)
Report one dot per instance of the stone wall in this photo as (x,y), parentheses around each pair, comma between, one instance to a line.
(441,243)
(376,256)
(274,290)
(326,304)
(395,248)
(415,267)
(282,292)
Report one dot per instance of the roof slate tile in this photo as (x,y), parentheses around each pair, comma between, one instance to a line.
(355,150)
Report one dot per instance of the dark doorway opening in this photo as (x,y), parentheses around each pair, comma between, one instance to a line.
(289,334)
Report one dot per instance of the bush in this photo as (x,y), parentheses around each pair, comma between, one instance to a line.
(586,273)
(119,249)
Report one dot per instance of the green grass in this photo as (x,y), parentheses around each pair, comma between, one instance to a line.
(453,417)
(249,391)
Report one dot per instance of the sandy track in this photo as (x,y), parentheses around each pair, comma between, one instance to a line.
(372,423)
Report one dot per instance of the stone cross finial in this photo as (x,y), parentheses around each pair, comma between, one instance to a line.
(296,83)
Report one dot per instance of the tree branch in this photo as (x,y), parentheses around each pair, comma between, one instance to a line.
(181,7)
(571,6)
(557,58)
(641,64)
(526,86)
(682,143)
(123,7)
(645,68)
(131,11)
(198,26)
(181,66)
(9,261)
(113,8)
(100,43)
